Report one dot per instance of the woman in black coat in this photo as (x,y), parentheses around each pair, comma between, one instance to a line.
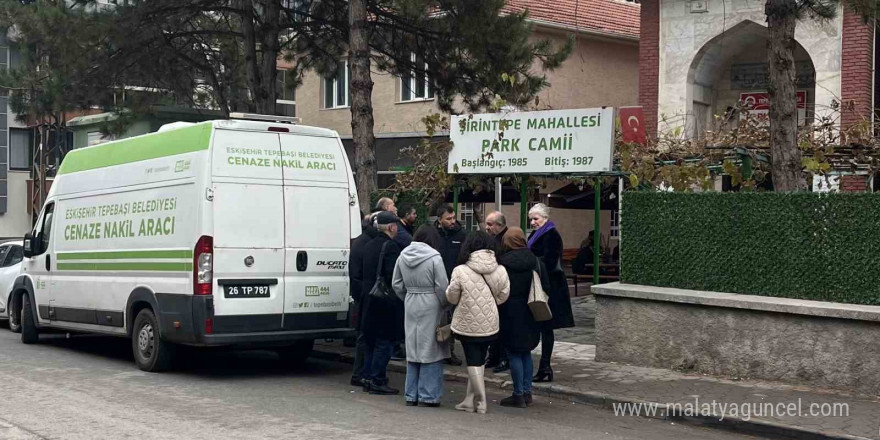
(546,243)
(520,332)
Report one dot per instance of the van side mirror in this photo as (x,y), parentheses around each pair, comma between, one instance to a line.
(28,245)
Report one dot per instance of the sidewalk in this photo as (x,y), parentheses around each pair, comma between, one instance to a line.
(578,378)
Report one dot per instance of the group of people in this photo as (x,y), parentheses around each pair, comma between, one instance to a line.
(478,283)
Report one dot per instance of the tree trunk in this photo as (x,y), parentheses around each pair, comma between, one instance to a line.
(270,47)
(786,157)
(362,103)
(250,52)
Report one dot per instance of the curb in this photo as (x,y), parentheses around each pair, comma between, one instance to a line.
(605,401)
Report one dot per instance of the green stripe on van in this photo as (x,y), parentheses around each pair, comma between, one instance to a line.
(125,255)
(146,267)
(151,146)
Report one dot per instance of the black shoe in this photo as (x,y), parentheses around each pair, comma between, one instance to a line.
(429,404)
(493,362)
(514,401)
(383,390)
(366,385)
(544,375)
(502,367)
(528,398)
(409,403)
(356,382)
(454,360)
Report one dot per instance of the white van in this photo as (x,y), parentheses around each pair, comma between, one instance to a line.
(222,233)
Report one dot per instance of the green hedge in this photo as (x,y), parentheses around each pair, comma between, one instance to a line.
(823,247)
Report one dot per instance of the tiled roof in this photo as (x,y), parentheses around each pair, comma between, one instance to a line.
(610,17)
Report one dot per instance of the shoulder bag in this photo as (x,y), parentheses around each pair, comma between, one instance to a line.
(381,290)
(538,298)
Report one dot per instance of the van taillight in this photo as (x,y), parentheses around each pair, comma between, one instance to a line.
(203,266)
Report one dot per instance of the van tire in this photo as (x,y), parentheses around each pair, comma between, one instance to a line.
(14,318)
(29,332)
(151,352)
(296,355)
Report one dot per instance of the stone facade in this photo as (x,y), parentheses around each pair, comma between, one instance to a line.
(741,336)
(685,38)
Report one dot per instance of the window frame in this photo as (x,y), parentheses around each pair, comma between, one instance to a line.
(28,151)
(335,88)
(282,73)
(409,83)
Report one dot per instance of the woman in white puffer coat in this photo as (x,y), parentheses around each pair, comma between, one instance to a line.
(478,285)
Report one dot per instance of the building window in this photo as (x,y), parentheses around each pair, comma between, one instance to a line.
(20,149)
(417,85)
(336,91)
(615,224)
(285,94)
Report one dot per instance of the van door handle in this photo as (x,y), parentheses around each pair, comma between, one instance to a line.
(302,261)
(48,262)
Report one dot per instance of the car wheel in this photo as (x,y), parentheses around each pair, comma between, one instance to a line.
(296,355)
(151,353)
(14,318)
(29,332)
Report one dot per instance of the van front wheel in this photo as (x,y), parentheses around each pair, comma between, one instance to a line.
(151,353)
(29,332)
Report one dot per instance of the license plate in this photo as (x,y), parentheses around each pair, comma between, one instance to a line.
(246,291)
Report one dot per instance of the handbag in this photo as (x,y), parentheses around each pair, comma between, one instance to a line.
(538,299)
(381,290)
(443,333)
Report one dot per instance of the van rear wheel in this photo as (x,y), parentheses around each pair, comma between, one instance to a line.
(29,332)
(296,355)
(151,353)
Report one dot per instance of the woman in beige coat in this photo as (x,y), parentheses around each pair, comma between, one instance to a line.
(478,286)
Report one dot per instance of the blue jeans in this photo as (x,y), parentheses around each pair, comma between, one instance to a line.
(424,382)
(521,371)
(376,358)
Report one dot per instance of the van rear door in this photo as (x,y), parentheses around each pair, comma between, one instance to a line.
(248,232)
(317,201)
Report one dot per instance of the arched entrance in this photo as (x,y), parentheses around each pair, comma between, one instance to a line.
(734,65)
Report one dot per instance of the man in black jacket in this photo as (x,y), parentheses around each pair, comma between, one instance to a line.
(382,321)
(356,276)
(453,236)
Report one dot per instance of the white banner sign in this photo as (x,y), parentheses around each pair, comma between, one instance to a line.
(556,141)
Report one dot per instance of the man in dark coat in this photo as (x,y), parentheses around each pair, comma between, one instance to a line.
(496,226)
(356,276)
(382,322)
(452,236)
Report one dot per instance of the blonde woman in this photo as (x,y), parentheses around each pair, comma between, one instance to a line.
(546,243)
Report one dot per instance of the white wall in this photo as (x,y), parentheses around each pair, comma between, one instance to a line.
(16,221)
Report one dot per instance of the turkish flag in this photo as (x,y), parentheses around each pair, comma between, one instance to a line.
(632,125)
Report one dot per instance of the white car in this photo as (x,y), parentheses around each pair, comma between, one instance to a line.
(11,254)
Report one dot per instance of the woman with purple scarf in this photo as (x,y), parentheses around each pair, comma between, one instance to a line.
(546,243)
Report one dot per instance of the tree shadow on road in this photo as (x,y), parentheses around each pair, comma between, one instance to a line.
(197,361)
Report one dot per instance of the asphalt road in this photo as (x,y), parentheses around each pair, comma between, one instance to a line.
(87,387)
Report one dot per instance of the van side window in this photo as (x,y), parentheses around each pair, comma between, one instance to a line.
(47,228)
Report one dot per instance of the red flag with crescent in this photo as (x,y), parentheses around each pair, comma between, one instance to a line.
(632,125)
